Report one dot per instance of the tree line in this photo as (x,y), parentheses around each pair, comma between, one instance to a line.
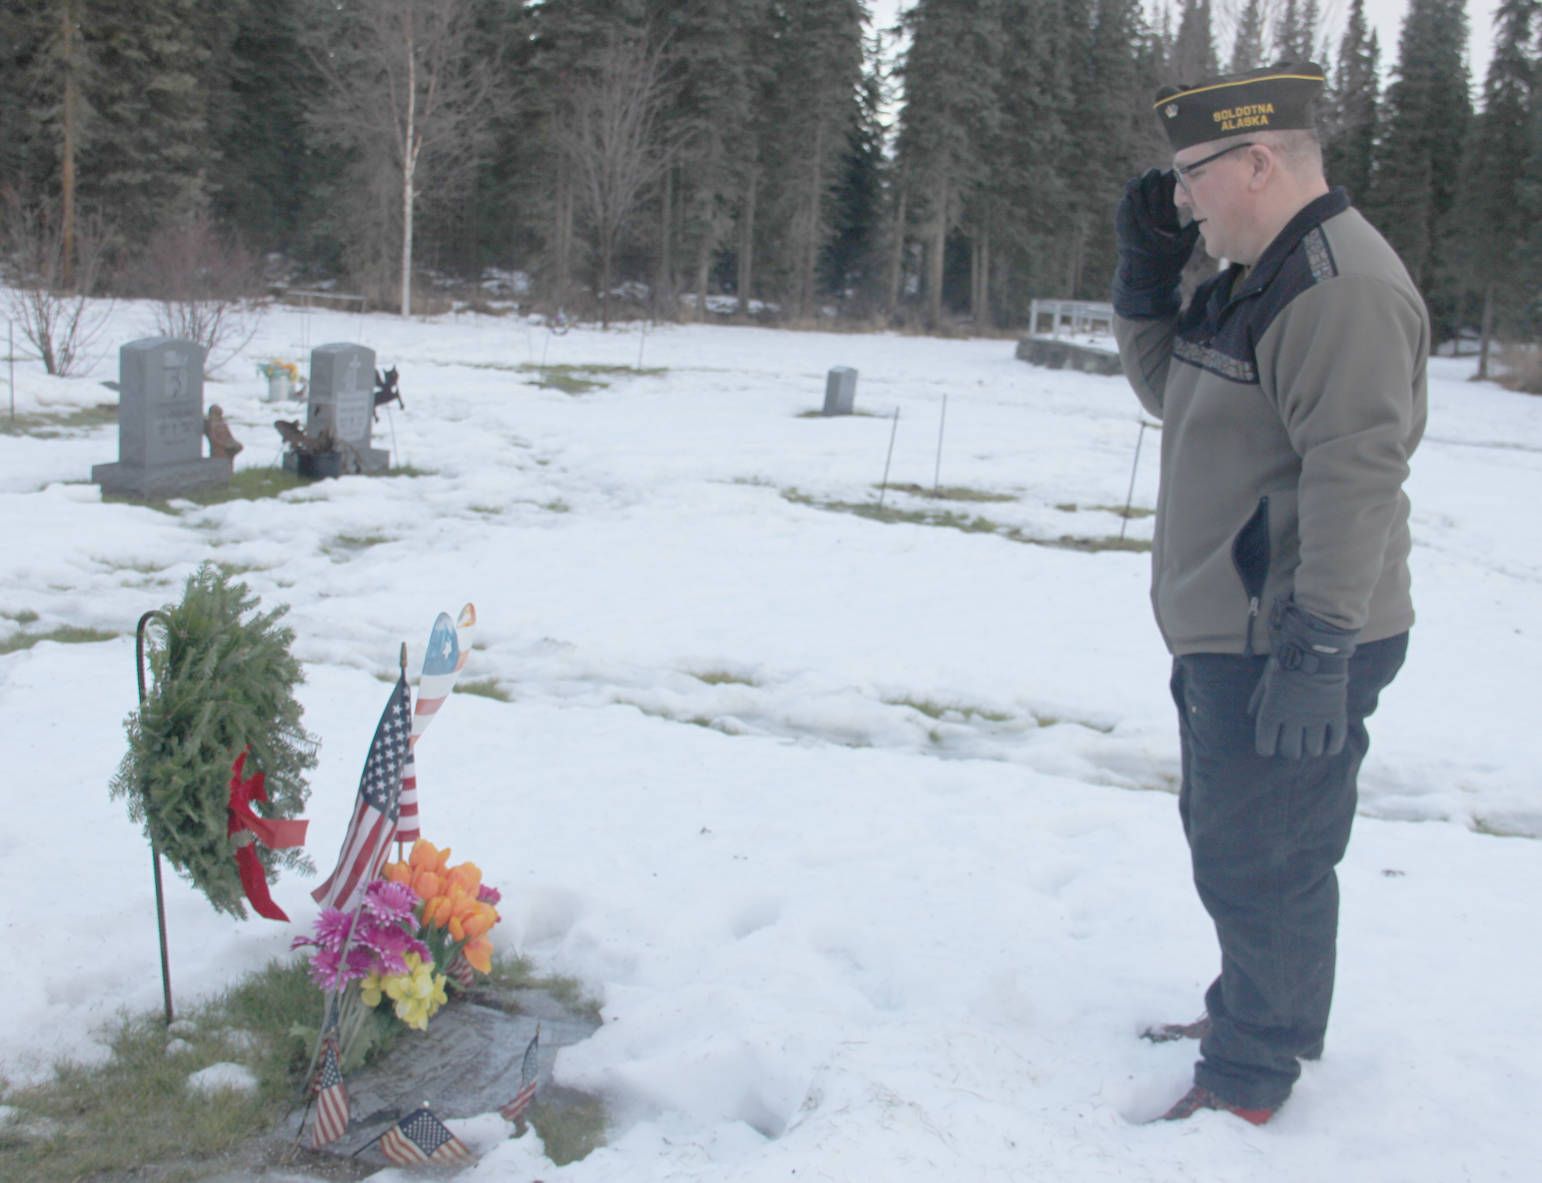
(773,158)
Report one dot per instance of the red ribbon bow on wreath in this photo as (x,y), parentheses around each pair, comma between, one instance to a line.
(248,829)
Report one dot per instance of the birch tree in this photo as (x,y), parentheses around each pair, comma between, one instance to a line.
(401,81)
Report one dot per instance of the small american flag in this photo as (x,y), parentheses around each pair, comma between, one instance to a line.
(375,812)
(461,972)
(443,661)
(421,1137)
(529,1070)
(332,1107)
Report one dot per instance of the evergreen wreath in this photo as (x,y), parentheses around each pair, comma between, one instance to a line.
(223,680)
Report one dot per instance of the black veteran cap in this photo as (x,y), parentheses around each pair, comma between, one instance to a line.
(1271,98)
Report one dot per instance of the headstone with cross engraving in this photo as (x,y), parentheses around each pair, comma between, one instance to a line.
(160,423)
(342,404)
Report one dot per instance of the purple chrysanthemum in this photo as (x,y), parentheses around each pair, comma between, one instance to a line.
(385,939)
(360,964)
(332,928)
(489,895)
(324,969)
(390,901)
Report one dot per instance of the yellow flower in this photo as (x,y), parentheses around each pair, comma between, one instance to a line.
(370,989)
(416,994)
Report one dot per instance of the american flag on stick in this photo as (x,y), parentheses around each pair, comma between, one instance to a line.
(529,1070)
(420,1137)
(448,648)
(373,824)
(332,1107)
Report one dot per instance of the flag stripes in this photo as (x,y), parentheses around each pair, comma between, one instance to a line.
(529,1073)
(420,1137)
(375,811)
(332,1106)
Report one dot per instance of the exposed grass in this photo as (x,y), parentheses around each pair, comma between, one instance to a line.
(975,524)
(578,379)
(48,425)
(22,616)
(517,973)
(136,1108)
(65,634)
(250,484)
(848,415)
(142,567)
(246,484)
(345,544)
(1134,513)
(722,677)
(571,1125)
(557,505)
(941,711)
(951,493)
(486,687)
(134,1116)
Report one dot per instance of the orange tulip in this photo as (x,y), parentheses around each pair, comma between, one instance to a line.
(427,884)
(428,857)
(479,954)
(467,877)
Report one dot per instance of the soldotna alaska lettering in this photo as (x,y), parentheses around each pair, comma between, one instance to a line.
(1237,118)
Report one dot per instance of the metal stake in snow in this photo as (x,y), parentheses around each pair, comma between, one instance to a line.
(884,488)
(155,854)
(1130,496)
(941,423)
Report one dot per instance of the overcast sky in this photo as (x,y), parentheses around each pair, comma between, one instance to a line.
(1385,15)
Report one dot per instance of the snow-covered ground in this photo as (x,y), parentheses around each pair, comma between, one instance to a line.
(863,832)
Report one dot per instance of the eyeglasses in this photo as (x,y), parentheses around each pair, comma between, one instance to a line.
(1184,172)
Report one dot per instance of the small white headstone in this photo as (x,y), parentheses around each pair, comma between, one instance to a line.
(840,390)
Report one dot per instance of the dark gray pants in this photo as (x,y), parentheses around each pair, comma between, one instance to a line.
(1265,833)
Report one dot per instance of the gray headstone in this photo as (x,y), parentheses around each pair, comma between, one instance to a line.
(342,403)
(160,422)
(840,390)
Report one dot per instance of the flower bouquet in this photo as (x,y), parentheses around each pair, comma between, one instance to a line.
(283,377)
(421,925)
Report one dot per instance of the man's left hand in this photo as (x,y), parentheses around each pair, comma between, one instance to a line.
(1300,704)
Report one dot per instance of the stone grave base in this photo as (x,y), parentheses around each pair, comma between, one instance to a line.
(165,480)
(467,1063)
(1066,355)
(369,461)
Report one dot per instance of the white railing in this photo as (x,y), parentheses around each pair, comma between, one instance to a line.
(1072,317)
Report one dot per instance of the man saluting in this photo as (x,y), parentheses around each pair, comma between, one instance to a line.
(1292,392)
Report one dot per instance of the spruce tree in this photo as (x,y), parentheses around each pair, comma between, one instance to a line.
(1029,253)
(710,52)
(951,74)
(152,93)
(1193,55)
(1495,224)
(1247,51)
(1349,131)
(1427,111)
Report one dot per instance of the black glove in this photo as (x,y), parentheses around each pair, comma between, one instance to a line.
(1153,247)
(1300,702)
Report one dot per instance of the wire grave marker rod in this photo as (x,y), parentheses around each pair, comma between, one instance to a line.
(155,854)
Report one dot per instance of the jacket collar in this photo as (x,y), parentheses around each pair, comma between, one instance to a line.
(1310,216)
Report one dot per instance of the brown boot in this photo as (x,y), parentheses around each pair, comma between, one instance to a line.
(1199,1097)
